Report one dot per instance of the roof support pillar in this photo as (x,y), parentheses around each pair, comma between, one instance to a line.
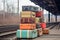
(49,17)
(56,18)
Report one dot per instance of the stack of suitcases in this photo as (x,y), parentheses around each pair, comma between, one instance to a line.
(31,23)
(39,15)
(27,28)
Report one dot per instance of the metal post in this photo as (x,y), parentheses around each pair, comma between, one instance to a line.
(18,7)
(42,15)
(49,17)
(3,10)
(4,4)
(56,18)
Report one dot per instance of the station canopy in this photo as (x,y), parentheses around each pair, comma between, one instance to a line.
(52,6)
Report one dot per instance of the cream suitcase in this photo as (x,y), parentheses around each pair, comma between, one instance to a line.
(27,14)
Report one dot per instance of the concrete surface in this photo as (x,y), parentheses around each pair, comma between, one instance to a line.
(47,38)
(54,35)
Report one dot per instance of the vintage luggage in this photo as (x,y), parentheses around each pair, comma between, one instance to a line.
(45,31)
(27,26)
(27,20)
(26,33)
(40,32)
(43,25)
(28,14)
(39,14)
(30,8)
(37,20)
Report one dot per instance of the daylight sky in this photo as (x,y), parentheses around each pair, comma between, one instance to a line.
(21,3)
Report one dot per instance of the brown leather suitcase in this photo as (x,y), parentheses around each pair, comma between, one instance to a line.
(46,31)
(27,20)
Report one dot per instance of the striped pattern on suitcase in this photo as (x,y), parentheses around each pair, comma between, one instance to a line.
(26,33)
(27,26)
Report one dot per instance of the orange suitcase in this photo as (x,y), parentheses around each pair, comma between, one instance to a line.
(27,26)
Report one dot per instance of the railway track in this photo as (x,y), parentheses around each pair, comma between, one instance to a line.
(53,26)
(8,37)
(7,33)
(7,28)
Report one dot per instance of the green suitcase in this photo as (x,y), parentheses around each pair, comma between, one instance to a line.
(26,33)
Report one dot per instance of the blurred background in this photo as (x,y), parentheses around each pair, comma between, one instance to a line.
(10,11)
